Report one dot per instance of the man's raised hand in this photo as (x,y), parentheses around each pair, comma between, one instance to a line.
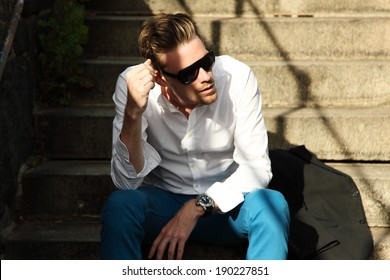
(140,81)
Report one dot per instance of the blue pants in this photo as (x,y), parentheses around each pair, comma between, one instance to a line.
(131,217)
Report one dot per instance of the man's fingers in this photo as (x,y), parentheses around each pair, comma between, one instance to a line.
(153,249)
(158,247)
(148,81)
(139,82)
(148,65)
(172,246)
(166,244)
(172,249)
(180,250)
(161,249)
(162,246)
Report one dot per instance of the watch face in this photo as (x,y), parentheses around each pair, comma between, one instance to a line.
(205,200)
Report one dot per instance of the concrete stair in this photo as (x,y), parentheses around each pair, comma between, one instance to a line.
(323,68)
(341,133)
(73,224)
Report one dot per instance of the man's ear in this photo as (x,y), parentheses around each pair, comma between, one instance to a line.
(160,79)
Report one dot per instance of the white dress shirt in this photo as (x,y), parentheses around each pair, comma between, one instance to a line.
(221,149)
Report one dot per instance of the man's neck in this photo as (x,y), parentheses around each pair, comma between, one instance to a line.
(186,110)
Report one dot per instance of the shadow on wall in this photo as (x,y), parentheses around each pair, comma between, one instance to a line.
(302,80)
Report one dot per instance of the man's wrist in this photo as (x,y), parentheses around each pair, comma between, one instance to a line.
(206,203)
(199,210)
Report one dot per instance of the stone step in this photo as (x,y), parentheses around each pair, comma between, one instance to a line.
(66,190)
(242,8)
(254,38)
(75,132)
(81,241)
(359,134)
(283,84)
(84,186)
(54,240)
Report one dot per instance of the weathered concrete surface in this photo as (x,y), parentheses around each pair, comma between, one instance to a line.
(324,83)
(75,133)
(243,8)
(84,186)
(257,39)
(381,238)
(332,133)
(80,241)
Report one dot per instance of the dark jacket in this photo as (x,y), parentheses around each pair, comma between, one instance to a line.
(327,216)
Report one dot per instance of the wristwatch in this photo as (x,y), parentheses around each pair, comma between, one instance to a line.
(206,202)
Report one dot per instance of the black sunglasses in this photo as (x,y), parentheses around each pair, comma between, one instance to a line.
(190,73)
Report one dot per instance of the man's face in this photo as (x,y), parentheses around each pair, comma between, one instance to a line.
(202,90)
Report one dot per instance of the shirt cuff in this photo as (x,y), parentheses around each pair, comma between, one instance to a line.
(151,158)
(225,198)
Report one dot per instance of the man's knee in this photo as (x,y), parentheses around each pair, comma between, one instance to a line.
(269,202)
(121,205)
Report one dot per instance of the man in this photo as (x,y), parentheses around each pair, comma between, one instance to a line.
(190,152)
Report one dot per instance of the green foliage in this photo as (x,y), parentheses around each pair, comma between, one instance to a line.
(61,37)
(34,160)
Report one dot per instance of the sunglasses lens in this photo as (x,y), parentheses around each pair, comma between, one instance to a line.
(189,77)
(190,74)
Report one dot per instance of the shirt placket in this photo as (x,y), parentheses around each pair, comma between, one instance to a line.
(190,142)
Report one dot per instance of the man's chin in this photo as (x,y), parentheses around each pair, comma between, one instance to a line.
(209,98)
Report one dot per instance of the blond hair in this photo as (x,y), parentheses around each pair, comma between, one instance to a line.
(165,32)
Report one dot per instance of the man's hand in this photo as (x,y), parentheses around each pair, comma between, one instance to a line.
(175,233)
(140,81)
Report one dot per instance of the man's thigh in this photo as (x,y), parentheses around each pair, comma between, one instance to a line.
(234,226)
(219,228)
(161,207)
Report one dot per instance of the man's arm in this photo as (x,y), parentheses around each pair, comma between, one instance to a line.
(250,142)
(132,157)
(139,83)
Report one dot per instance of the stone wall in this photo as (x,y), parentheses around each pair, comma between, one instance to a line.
(17,91)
